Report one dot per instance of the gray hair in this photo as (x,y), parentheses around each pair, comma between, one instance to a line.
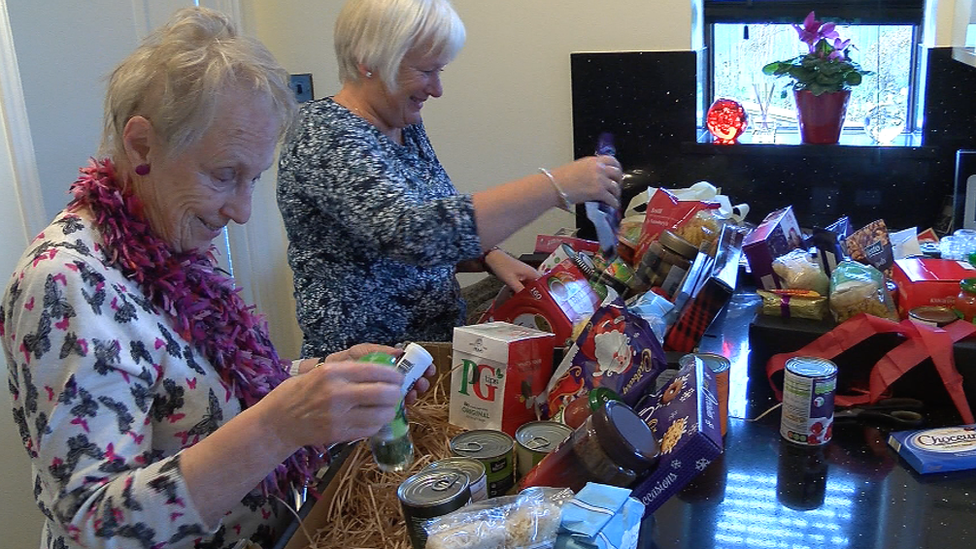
(379,33)
(175,77)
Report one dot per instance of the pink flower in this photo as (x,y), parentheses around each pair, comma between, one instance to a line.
(809,33)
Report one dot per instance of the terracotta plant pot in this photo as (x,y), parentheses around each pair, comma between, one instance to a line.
(821,117)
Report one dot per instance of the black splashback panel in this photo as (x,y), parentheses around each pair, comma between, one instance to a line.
(648,100)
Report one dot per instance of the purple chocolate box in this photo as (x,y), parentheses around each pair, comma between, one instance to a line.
(684,418)
(775,236)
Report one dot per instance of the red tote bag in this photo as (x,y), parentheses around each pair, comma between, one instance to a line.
(921,342)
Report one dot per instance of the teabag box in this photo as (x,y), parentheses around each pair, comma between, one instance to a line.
(498,370)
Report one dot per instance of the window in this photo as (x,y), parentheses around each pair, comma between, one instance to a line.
(742,36)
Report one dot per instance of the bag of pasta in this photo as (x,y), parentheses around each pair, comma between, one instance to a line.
(703,227)
(857,288)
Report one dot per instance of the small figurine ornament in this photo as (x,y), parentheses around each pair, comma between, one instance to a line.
(726,120)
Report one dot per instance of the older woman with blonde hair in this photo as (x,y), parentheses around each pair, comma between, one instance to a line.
(151,402)
(376,229)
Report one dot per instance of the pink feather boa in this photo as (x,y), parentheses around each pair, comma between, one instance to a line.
(206,308)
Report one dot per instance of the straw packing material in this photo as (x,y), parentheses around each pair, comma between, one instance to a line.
(365,512)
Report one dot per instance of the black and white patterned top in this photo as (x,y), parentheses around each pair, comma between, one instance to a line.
(375,231)
(106,394)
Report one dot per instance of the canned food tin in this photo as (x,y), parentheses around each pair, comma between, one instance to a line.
(534,440)
(808,400)
(475,470)
(494,450)
(719,365)
(431,494)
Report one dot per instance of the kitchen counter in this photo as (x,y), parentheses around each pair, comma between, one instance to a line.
(854,492)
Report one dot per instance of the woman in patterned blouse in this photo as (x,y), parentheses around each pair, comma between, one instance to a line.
(154,408)
(376,229)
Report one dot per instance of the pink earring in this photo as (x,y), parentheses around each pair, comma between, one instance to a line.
(142,169)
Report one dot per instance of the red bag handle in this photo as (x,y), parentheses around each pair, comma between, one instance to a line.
(921,342)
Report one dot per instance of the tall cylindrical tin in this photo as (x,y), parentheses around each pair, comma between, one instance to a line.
(471,467)
(720,366)
(431,494)
(495,450)
(534,440)
(808,400)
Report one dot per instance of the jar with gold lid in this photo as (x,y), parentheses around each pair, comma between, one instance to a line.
(665,263)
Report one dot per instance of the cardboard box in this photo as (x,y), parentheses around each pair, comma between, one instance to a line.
(547,243)
(559,255)
(927,281)
(937,450)
(556,302)
(684,418)
(707,289)
(441,352)
(498,371)
(775,236)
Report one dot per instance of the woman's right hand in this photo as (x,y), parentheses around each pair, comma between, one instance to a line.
(592,178)
(339,401)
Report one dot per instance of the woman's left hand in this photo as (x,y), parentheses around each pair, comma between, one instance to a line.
(510,270)
(362,349)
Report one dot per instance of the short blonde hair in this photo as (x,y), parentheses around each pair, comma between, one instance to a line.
(175,77)
(379,33)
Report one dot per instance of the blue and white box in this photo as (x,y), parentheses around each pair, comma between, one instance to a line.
(937,450)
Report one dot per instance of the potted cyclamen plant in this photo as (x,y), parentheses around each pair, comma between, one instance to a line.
(822,80)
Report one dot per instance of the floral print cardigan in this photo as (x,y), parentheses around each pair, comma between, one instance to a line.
(375,231)
(105,395)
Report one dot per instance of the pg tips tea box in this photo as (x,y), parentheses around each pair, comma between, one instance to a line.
(498,370)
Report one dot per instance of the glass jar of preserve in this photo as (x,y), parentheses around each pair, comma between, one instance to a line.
(665,262)
(965,305)
(613,446)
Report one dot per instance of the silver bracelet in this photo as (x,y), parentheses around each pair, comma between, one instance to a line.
(567,203)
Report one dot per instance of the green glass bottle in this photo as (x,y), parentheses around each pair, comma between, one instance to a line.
(391,446)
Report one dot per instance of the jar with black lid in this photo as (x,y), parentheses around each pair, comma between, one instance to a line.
(665,263)
(613,446)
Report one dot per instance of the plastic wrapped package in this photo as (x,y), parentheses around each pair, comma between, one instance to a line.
(857,288)
(703,227)
(800,272)
(794,304)
(527,520)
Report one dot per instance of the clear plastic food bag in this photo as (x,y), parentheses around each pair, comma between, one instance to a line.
(529,520)
(857,288)
(800,272)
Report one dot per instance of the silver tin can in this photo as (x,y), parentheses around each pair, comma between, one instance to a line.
(431,494)
(495,450)
(477,477)
(534,440)
(809,384)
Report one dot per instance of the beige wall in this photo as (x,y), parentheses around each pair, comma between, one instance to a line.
(506,108)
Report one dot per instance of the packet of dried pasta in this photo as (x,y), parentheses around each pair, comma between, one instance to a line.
(857,288)
(794,304)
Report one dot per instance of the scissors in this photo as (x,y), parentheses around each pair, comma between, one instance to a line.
(899,412)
